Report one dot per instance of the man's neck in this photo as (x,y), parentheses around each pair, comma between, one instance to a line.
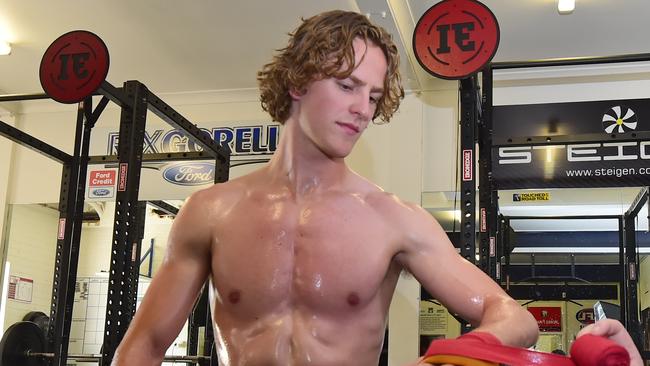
(301,166)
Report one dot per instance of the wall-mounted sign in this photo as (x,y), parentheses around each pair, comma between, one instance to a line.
(531,196)
(585,316)
(549,318)
(74,66)
(564,145)
(20,288)
(456,38)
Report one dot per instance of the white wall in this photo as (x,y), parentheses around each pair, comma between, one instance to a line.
(36,178)
(6,156)
(31,246)
(439,140)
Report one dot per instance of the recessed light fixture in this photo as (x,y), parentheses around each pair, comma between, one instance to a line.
(5,48)
(566,6)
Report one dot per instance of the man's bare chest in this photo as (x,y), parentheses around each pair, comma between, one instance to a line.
(331,252)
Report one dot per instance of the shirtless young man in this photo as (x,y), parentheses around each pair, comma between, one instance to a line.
(303,254)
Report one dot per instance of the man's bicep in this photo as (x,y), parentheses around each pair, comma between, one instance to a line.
(185,266)
(165,307)
(175,285)
(448,277)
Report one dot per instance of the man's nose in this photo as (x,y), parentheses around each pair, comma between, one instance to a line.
(361,106)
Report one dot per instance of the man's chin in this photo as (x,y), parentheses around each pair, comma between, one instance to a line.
(338,152)
(337,155)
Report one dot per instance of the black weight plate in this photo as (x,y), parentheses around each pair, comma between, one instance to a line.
(40,318)
(17,340)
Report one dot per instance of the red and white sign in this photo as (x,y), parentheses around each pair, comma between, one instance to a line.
(101,178)
(20,288)
(493,247)
(61,231)
(456,38)
(468,165)
(74,66)
(549,318)
(101,183)
(124,168)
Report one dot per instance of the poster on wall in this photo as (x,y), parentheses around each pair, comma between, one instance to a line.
(549,318)
(20,289)
(433,319)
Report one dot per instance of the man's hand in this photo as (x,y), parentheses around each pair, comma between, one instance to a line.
(614,330)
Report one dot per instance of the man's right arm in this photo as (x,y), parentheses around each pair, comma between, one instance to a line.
(174,288)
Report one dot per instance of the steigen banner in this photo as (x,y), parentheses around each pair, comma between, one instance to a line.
(567,145)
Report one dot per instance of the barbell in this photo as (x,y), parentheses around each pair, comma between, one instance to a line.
(23,344)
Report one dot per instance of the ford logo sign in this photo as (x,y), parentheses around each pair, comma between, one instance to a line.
(190,174)
(101,192)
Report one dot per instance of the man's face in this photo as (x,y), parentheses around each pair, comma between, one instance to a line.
(333,113)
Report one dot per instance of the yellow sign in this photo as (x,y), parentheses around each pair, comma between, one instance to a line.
(536,196)
(433,319)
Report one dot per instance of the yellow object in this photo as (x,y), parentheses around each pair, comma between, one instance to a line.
(456,360)
(533,196)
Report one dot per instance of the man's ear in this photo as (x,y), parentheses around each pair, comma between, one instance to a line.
(295,93)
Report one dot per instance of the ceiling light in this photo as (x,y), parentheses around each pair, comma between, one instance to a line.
(5,48)
(566,6)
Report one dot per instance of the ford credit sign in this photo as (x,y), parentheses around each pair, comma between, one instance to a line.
(190,174)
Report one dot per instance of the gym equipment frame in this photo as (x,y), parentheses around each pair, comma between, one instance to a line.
(482,126)
(135,100)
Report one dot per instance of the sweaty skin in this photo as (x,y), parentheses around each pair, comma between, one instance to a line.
(318,273)
(303,255)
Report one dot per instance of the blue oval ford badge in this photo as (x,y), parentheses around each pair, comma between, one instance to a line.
(100,192)
(190,174)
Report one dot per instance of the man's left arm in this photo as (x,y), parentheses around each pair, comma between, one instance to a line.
(458,284)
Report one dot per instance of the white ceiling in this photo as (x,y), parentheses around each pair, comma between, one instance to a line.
(196,45)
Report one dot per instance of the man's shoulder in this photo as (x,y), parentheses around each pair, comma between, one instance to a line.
(235,189)
(219,193)
(379,198)
(386,205)
(391,204)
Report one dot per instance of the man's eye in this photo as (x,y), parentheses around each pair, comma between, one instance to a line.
(345,86)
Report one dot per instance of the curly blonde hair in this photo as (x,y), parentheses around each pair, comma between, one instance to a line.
(319,49)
